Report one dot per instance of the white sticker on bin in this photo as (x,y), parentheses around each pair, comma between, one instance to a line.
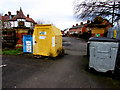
(42,37)
(33,39)
(42,33)
(28,46)
(53,41)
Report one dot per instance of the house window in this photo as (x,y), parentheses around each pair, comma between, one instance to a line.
(20,19)
(21,23)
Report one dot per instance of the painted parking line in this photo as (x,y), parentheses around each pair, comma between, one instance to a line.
(3,65)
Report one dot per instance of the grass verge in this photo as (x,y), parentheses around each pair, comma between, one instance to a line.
(11,52)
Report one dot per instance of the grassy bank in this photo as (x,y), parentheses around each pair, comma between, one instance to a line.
(11,52)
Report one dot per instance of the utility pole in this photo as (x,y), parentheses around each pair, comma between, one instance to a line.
(113,14)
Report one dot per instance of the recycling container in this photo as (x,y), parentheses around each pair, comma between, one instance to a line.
(47,40)
(104,54)
(27,43)
(114,32)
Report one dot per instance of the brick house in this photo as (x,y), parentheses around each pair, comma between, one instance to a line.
(19,23)
(11,21)
(79,29)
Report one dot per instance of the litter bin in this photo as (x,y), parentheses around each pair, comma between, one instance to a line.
(27,43)
(104,54)
(47,40)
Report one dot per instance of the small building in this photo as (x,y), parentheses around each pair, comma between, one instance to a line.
(65,32)
(100,27)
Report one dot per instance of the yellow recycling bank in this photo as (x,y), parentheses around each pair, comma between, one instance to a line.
(47,40)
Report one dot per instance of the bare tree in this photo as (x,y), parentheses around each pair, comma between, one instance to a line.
(39,22)
(89,9)
(44,22)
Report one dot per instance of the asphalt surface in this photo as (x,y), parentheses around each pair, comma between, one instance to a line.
(68,71)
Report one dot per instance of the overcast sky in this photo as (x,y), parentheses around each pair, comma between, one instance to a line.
(58,12)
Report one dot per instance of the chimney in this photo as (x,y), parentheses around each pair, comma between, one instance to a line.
(5,15)
(81,23)
(28,15)
(9,13)
(17,12)
(76,24)
(73,25)
(88,21)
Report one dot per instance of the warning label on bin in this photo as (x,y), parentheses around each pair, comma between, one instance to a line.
(28,46)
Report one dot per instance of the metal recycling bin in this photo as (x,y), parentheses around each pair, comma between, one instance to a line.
(27,44)
(47,40)
(104,54)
